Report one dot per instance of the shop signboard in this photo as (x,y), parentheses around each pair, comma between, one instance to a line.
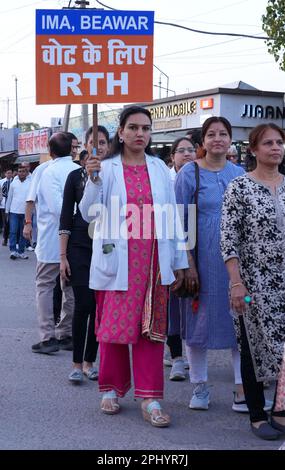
(33,142)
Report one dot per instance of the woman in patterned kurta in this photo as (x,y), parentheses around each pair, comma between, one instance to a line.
(211,327)
(133,307)
(253,247)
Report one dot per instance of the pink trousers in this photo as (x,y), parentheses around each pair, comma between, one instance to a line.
(115,371)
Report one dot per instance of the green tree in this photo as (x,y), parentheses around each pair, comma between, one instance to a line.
(273,23)
(28,126)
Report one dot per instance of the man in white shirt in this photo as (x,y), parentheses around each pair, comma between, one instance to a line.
(31,201)
(49,195)
(4,190)
(15,207)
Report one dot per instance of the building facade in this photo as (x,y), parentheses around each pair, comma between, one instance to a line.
(243,105)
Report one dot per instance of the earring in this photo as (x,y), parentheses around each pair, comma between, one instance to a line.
(121,140)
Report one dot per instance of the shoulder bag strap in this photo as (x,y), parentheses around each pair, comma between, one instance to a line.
(196,194)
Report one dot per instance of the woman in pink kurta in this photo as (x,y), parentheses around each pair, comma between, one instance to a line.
(126,307)
(136,316)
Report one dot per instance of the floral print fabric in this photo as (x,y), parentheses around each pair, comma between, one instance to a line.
(252,229)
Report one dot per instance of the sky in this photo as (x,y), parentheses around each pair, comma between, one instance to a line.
(191,61)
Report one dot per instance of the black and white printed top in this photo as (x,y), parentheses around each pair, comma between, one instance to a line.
(253,230)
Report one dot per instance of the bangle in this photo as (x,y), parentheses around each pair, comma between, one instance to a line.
(236,284)
(62,254)
(28,222)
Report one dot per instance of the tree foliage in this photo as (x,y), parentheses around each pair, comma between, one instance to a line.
(28,126)
(273,23)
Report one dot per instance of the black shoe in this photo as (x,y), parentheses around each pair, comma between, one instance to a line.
(66,343)
(278,426)
(46,347)
(265,431)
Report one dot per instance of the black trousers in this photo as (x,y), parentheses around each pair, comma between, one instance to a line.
(253,390)
(57,300)
(85,307)
(5,224)
(174,343)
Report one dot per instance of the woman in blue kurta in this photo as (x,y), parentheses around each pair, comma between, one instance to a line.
(211,327)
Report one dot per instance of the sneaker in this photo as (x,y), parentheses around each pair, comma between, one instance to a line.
(265,431)
(177,372)
(240,406)
(167,360)
(201,397)
(23,256)
(46,347)
(30,248)
(66,343)
(14,255)
(186,363)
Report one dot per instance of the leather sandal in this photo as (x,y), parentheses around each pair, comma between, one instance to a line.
(154,415)
(109,403)
(91,373)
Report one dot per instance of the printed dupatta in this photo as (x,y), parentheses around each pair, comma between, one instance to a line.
(154,318)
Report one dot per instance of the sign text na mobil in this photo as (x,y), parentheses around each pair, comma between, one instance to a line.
(93,56)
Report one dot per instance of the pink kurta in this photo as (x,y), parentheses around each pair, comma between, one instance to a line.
(120,320)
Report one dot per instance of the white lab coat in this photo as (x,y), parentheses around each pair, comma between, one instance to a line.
(110,271)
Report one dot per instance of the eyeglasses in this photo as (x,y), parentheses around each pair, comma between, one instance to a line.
(183,150)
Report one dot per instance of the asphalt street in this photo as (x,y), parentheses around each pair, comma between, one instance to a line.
(40,409)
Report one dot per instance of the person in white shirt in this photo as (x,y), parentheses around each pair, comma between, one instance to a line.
(4,189)
(27,167)
(31,201)
(49,196)
(15,207)
(2,205)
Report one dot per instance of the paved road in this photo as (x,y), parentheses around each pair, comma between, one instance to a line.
(40,409)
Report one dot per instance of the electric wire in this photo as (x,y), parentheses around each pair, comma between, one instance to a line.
(212,33)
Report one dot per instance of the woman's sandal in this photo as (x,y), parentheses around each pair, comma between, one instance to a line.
(91,373)
(159,419)
(109,403)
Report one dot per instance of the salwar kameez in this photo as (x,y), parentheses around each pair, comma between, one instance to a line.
(137,316)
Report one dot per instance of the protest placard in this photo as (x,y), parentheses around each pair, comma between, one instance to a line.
(93,56)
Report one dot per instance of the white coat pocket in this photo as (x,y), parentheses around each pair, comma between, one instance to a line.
(108,263)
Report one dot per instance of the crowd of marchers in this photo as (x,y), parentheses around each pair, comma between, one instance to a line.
(132,293)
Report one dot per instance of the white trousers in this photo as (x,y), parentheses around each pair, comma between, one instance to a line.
(197,358)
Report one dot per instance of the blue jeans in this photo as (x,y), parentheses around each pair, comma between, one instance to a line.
(16,230)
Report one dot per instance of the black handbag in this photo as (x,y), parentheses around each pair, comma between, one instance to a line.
(183,292)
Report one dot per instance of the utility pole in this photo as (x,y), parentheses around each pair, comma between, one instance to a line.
(66,117)
(16,89)
(167,80)
(7,113)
